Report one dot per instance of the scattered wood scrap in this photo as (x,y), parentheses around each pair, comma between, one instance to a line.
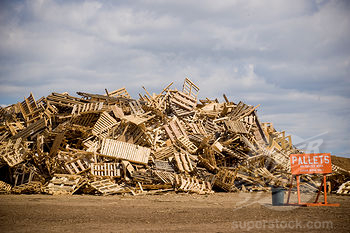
(110,143)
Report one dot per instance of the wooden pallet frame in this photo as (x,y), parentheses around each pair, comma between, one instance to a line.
(106,169)
(104,123)
(32,129)
(190,88)
(87,107)
(107,187)
(122,92)
(65,184)
(344,189)
(236,127)
(124,150)
(78,165)
(183,100)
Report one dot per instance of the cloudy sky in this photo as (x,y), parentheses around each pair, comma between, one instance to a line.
(292,57)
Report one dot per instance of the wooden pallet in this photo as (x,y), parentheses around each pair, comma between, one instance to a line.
(183,162)
(104,123)
(65,184)
(107,169)
(136,107)
(78,165)
(122,92)
(91,145)
(164,152)
(175,129)
(210,127)
(13,153)
(56,144)
(344,189)
(197,128)
(85,119)
(235,126)
(138,136)
(139,119)
(165,177)
(64,100)
(128,167)
(145,177)
(187,144)
(28,188)
(190,88)
(14,127)
(192,185)
(87,107)
(235,154)
(178,111)
(32,129)
(5,187)
(107,187)
(183,100)
(24,174)
(224,179)
(163,165)
(124,150)
(29,109)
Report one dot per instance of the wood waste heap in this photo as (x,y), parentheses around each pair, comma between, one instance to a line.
(110,143)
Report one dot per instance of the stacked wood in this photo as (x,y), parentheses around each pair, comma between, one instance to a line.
(172,141)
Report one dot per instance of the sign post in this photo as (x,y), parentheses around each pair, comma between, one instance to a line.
(310,164)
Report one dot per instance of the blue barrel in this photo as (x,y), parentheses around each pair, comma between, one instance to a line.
(277,196)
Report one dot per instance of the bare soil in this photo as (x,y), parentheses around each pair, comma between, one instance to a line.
(341,162)
(220,212)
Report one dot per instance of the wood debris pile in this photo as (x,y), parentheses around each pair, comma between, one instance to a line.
(110,143)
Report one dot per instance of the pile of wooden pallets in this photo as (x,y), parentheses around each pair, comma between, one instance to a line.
(111,144)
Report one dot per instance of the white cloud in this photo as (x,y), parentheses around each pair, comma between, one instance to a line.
(292,57)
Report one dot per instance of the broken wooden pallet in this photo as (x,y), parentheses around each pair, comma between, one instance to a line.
(87,107)
(65,184)
(344,189)
(192,185)
(5,187)
(13,153)
(28,188)
(183,162)
(107,187)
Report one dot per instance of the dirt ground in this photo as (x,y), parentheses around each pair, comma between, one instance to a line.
(341,162)
(220,212)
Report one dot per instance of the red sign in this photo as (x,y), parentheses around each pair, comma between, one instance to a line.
(310,163)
